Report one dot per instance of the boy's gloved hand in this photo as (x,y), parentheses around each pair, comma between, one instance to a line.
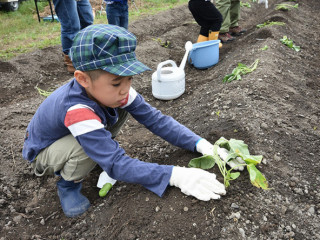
(197,182)
(206,148)
(105,183)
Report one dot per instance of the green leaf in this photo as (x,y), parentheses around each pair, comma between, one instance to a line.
(223,143)
(296,48)
(289,43)
(234,175)
(204,162)
(238,146)
(264,48)
(254,159)
(256,177)
(231,156)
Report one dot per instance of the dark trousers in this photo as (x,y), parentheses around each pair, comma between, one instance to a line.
(206,15)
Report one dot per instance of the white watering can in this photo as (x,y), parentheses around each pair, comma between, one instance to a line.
(169,82)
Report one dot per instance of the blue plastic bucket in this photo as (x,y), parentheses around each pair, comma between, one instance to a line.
(204,54)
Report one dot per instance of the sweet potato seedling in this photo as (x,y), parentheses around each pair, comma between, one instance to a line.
(264,48)
(241,69)
(289,43)
(165,44)
(285,6)
(43,92)
(236,148)
(270,23)
(245,4)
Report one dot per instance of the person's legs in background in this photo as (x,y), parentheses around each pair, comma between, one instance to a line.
(208,17)
(124,18)
(68,12)
(113,13)
(234,28)
(224,7)
(117,14)
(85,13)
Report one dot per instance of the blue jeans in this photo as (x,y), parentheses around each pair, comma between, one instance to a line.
(117,14)
(73,16)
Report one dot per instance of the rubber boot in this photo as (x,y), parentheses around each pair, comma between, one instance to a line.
(202,38)
(73,203)
(214,36)
(68,63)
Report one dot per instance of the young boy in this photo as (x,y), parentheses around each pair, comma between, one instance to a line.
(74,128)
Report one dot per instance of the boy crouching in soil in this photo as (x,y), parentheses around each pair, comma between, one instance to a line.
(74,128)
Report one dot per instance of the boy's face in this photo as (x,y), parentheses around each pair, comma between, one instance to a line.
(108,89)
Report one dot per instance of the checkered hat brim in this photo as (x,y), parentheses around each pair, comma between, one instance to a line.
(107,47)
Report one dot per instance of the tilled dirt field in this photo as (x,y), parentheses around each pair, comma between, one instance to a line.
(275,110)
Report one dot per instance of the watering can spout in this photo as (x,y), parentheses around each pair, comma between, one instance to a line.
(188,48)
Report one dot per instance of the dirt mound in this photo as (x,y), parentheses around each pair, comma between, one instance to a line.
(275,110)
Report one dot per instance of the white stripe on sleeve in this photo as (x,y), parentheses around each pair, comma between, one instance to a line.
(83,127)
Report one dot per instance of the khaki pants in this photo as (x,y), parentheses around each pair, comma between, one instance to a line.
(230,11)
(67,156)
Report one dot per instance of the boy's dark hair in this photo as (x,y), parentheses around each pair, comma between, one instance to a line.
(95,74)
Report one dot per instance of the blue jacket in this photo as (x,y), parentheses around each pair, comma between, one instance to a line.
(69,110)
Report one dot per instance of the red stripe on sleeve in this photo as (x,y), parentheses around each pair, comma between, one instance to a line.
(79,115)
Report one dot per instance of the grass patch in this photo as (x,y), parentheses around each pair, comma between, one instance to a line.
(21,32)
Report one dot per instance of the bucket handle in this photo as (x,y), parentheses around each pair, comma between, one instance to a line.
(160,65)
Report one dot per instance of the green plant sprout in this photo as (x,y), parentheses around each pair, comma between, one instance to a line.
(241,69)
(289,43)
(285,6)
(242,4)
(165,44)
(236,148)
(264,48)
(43,92)
(218,113)
(270,23)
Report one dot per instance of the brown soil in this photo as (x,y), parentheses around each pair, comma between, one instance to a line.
(275,110)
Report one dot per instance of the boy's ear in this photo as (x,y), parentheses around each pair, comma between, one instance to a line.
(82,78)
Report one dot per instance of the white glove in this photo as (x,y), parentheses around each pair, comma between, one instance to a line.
(206,148)
(104,178)
(264,1)
(197,182)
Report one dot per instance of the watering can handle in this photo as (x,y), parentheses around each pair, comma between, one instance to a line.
(160,65)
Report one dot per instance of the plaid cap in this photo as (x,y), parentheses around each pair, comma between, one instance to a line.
(107,47)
